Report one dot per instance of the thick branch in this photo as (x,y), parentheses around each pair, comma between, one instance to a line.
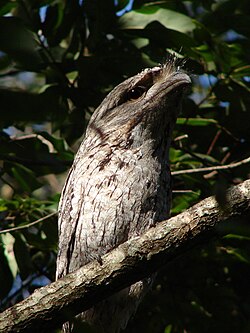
(46,308)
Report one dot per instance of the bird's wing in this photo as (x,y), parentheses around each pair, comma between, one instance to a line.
(68,213)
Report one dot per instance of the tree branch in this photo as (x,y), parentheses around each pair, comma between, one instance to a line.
(27,225)
(212,168)
(139,257)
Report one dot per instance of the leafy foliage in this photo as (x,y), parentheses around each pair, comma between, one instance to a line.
(58,59)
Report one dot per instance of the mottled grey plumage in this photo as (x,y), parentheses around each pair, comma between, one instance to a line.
(119,184)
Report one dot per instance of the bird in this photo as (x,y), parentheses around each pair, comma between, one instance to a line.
(119,184)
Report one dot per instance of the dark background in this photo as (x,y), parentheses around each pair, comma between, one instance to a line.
(58,59)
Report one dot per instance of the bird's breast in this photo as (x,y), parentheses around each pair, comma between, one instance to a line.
(115,197)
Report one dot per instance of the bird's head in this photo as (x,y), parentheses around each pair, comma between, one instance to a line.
(142,107)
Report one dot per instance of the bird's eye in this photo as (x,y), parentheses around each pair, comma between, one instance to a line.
(135,93)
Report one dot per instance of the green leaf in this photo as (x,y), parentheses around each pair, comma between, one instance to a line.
(165,37)
(22,255)
(139,19)
(25,177)
(196,121)
(238,237)
(206,53)
(240,72)
(6,7)
(183,201)
(18,106)
(19,43)
(37,153)
(168,329)
(6,276)
(239,254)
(50,230)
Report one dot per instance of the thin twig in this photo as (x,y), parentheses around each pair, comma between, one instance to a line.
(181,137)
(211,147)
(28,224)
(183,191)
(217,167)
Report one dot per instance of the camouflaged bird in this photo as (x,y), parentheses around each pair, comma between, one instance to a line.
(120,183)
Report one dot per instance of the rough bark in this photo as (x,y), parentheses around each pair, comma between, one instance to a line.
(139,257)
